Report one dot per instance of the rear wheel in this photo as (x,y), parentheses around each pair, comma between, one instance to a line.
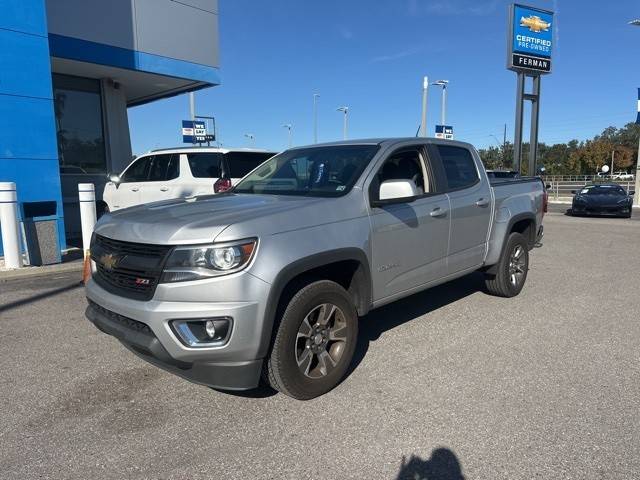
(511,271)
(315,341)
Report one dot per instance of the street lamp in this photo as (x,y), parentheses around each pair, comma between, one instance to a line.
(443,84)
(636,198)
(315,117)
(423,122)
(251,137)
(288,126)
(344,110)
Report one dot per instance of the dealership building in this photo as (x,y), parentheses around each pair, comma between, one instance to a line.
(69,71)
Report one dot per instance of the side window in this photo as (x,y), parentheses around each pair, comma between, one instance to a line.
(205,165)
(241,163)
(405,164)
(459,167)
(163,168)
(138,171)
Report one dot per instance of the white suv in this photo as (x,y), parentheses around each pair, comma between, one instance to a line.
(180,172)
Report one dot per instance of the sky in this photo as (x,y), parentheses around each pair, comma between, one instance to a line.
(372,55)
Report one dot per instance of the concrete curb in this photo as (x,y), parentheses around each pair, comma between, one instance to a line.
(27,272)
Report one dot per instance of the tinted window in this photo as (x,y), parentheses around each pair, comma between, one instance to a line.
(78,109)
(138,171)
(459,167)
(163,167)
(205,165)
(603,190)
(317,171)
(241,163)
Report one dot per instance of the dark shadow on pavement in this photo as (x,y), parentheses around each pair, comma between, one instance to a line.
(39,296)
(442,465)
(373,325)
(262,391)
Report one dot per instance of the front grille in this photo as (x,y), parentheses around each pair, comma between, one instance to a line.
(128,269)
(127,322)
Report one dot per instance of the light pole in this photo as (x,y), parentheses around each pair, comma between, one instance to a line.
(315,117)
(425,89)
(501,148)
(252,139)
(636,197)
(344,110)
(443,84)
(288,126)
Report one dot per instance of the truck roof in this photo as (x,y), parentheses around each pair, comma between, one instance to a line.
(389,141)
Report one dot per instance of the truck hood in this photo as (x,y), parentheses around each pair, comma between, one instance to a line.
(193,220)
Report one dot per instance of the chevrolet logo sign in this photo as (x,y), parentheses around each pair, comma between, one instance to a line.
(535,24)
(109,261)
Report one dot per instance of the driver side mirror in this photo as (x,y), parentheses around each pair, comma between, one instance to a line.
(396,191)
(574,191)
(631,194)
(114,178)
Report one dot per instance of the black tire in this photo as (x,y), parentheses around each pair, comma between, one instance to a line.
(284,372)
(500,283)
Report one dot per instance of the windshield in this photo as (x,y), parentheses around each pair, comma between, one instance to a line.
(317,171)
(603,190)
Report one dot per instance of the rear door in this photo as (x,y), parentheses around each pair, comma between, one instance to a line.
(470,201)
(162,179)
(238,164)
(132,180)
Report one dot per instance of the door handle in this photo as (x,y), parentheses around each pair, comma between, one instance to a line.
(482,202)
(134,189)
(164,189)
(438,212)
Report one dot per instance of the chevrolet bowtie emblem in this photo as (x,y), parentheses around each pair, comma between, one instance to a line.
(109,261)
(535,24)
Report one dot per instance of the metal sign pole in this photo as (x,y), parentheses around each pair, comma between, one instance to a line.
(535,113)
(517,139)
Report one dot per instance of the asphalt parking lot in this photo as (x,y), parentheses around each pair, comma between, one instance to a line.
(447,383)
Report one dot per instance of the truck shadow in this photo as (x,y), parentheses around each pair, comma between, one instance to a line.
(390,316)
(442,465)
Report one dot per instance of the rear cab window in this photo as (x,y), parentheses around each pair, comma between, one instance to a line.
(459,166)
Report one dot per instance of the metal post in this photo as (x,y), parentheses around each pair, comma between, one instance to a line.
(344,126)
(88,217)
(9,225)
(535,114)
(192,105)
(423,124)
(444,104)
(315,117)
(636,197)
(517,139)
(612,156)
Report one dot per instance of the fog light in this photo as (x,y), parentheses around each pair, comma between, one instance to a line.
(205,332)
(210,328)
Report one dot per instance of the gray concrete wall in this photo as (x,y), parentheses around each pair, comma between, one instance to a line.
(116,126)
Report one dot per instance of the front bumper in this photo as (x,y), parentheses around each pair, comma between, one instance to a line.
(144,328)
(616,211)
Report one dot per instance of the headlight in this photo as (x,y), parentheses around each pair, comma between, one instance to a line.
(205,261)
(625,200)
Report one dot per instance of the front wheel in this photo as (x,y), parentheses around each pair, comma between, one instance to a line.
(511,271)
(315,341)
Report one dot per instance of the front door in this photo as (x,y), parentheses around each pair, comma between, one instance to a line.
(409,240)
(131,182)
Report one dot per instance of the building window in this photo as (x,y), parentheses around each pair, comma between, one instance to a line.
(78,107)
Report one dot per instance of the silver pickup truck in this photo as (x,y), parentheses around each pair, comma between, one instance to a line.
(268,281)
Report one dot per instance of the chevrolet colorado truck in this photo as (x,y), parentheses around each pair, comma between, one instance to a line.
(267,282)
